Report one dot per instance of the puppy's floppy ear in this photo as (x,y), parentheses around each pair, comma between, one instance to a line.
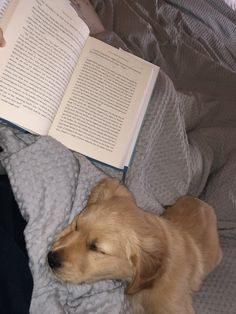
(106,189)
(148,263)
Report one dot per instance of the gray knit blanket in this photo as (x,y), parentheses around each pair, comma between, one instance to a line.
(187,145)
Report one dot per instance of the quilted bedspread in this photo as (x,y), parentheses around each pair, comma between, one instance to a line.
(187,145)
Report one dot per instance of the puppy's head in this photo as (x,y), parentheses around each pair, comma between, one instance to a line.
(110,239)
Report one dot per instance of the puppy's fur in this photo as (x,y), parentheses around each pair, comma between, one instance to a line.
(163,259)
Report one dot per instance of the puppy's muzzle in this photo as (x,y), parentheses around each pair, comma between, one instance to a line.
(54,260)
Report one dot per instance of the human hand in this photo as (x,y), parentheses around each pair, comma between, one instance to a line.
(2,40)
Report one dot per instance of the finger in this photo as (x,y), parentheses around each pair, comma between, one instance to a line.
(2,40)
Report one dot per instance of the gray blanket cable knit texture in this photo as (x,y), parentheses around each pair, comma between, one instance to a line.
(187,146)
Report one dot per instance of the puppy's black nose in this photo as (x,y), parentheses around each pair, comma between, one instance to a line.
(54,259)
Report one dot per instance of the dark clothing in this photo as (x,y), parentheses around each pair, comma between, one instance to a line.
(15,276)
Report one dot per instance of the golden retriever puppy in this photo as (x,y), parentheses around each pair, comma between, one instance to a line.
(163,259)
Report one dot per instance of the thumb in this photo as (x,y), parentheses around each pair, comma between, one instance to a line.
(2,40)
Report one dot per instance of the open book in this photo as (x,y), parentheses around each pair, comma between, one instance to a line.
(57,80)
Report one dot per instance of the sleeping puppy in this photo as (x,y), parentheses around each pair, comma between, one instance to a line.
(163,259)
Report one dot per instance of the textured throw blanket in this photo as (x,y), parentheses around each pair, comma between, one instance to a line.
(187,146)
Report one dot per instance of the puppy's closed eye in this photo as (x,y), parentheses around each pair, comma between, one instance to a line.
(93,247)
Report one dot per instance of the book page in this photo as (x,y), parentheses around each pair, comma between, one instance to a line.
(3,6)
(101,107)
(145,101)
(44,40)
(7,7)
